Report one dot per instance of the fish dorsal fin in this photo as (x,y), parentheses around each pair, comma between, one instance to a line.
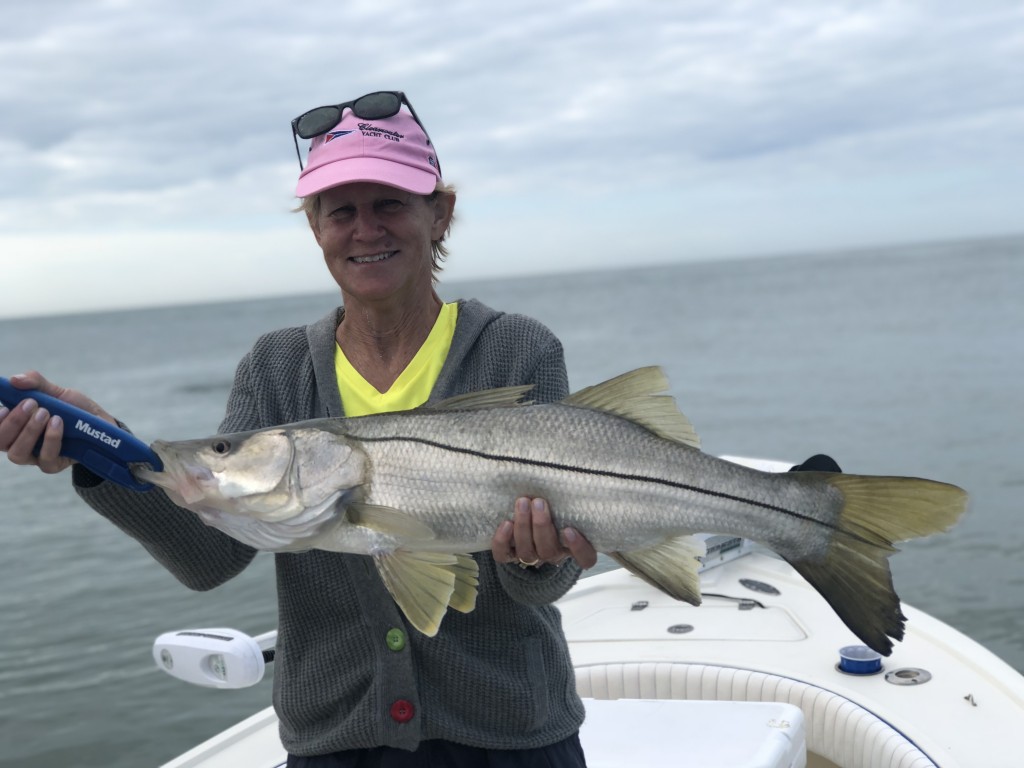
(389,521)
(487,398)
(638,396)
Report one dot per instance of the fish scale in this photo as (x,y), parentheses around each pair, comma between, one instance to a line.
(658,488)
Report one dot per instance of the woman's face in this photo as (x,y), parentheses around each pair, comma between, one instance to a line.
(376,239)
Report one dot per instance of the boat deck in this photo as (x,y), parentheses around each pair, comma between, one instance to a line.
(762,635)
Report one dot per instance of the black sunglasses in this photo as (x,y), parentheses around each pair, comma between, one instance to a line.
(372,106)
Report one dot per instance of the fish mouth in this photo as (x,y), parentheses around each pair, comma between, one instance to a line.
(373,258)
(148,473)
(185,480)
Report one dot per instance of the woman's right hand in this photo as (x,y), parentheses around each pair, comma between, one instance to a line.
(22,426)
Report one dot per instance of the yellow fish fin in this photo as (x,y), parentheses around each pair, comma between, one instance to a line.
(392,522)
(670,566)
(423,584)
(853,575)
(420,585)
(466,580)
(637,396)
(487,398)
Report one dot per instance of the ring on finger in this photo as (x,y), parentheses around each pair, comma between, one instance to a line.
(528,563)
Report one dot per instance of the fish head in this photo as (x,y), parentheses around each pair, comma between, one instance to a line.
(244,472)
(268,473)
(275,489)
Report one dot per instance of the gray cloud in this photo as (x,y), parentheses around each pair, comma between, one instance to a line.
(165,113)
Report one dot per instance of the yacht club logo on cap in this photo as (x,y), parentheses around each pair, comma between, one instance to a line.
(332,135)
(369,129)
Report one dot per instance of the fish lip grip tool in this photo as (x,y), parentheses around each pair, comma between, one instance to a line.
(104,448)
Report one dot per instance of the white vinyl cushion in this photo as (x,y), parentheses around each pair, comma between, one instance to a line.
(836,728)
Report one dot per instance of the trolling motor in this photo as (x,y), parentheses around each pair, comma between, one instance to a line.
(106,449)
(215,658)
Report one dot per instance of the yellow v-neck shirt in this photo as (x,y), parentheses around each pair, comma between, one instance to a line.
(412,387)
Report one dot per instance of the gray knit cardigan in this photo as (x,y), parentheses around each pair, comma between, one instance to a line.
(498,677)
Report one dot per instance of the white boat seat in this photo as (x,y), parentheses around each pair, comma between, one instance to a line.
(836,728)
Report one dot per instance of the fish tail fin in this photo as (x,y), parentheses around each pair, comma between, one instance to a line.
(854,576)
(671,566)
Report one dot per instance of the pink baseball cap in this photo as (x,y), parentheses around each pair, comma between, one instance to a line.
(394,151)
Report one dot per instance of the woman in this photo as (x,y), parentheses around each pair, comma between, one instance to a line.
(354,684)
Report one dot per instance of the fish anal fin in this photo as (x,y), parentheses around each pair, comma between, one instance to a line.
(853,575)
(670,566)
(639,396)
(424,584)
(389,521)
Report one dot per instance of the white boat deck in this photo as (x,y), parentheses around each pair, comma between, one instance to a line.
(965,715)
(968,714)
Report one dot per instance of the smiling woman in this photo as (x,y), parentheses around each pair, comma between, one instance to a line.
(496,686)
(378,213)
(377,239)
(312,204)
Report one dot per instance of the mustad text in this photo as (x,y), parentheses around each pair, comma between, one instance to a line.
(98,434)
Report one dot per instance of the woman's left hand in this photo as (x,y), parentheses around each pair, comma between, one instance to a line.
(531,538)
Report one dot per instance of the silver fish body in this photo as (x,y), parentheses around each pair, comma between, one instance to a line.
(605,475)
(419,490)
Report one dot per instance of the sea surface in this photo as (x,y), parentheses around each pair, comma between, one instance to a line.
(904,360)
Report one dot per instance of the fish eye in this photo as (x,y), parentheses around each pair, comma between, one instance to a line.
(221,447)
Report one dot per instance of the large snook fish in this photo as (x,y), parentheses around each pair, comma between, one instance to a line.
(420,490)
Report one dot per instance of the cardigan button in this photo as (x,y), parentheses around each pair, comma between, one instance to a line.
(395,639)
(402,711)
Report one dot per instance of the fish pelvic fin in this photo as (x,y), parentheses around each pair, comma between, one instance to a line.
(424,584)
(639,396)
(854,575)
(467,574)
(670,566)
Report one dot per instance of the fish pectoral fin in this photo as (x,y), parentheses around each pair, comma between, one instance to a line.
(487,398)
(392,522)
(670,566)
(424,584)
(639,396)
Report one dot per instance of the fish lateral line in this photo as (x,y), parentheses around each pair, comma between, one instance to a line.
(611,474)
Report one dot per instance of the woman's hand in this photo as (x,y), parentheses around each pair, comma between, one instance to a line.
(22,426)
(531,538)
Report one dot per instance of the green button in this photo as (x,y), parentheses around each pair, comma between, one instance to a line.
(395,639)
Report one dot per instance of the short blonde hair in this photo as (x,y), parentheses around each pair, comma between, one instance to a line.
(438,250)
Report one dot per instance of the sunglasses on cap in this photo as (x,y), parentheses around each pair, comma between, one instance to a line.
(373,106)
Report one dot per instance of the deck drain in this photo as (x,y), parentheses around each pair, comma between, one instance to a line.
(759,586)
(908,676)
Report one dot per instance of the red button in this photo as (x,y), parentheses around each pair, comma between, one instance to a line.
(402,711)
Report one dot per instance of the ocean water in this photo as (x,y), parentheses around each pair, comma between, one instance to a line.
(895,361)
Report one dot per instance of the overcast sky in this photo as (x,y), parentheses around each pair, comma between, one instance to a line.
(146,154)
